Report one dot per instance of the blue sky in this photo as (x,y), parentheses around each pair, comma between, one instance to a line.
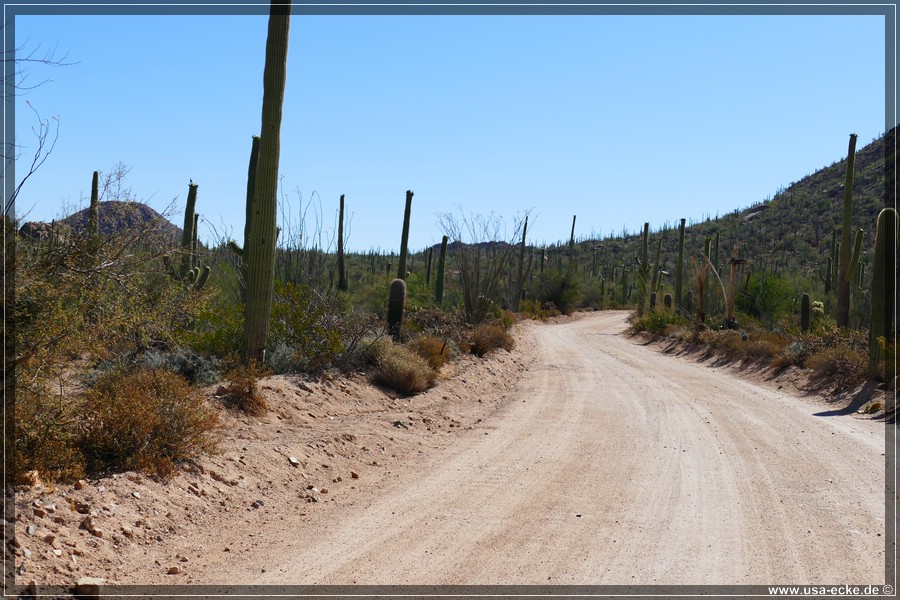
(616,119)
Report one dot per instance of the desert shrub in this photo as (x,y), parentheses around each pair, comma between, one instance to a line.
(837,360)
(487,338)
(306,322)
(241,391)
(148,420)
(218,330)
(46,437)
(562,289)
(657,321)
(436,352)
(400,369)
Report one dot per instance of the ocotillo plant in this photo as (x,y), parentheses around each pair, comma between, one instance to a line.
(804,313)
(679,266)
(404,237)
(439,283)
(94,212)
(520,281)
(396,306)
(654,281)
(884,300)
(260,247)
(843,287)
(187,235)
(342,270)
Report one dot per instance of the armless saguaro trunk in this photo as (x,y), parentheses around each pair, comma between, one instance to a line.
(404,237)
(843,286)
(260,248)
(341,267)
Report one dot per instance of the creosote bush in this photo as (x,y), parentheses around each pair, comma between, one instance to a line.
(149,421)
(657,321)
(487,338)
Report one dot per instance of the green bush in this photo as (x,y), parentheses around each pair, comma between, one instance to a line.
(302,319)
(656,321)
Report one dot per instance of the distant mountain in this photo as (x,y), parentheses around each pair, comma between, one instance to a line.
(116,217)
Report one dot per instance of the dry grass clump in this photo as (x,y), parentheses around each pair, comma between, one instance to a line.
(240,390)
(435,352)
(148,421)
(488,338)
(399,368)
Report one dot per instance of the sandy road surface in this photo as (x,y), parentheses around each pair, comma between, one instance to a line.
(615,464)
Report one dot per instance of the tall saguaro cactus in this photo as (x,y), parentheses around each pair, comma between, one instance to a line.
(843,283)
(679,266)
(404,237)
(884,299)
(94,212)
(439,283)
(187,235)
(342,270)
(259,251)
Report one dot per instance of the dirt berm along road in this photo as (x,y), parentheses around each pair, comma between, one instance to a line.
(616,464)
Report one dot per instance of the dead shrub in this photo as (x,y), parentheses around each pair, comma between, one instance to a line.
(148,421)
(401,369)
(240,390)
(435,352)
(488,338)
(839,360)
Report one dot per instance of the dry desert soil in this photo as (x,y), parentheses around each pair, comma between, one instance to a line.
(584,456)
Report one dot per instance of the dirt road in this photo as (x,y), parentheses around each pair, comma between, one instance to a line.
(614,464)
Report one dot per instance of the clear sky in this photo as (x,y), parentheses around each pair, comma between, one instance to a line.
(616,119)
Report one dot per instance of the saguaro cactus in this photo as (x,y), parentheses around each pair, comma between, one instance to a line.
(404,237)
(572,245)
(843,284)
(342,270)
(439,283)
(679,266)
(884,300)
(396,306)
(804,313)
(187,235)
(94,212)
(259,250)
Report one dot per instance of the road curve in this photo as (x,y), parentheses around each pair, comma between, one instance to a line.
(615,464)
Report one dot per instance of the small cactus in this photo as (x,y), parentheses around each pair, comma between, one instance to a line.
(396,306)
(667,301)
(652,300)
